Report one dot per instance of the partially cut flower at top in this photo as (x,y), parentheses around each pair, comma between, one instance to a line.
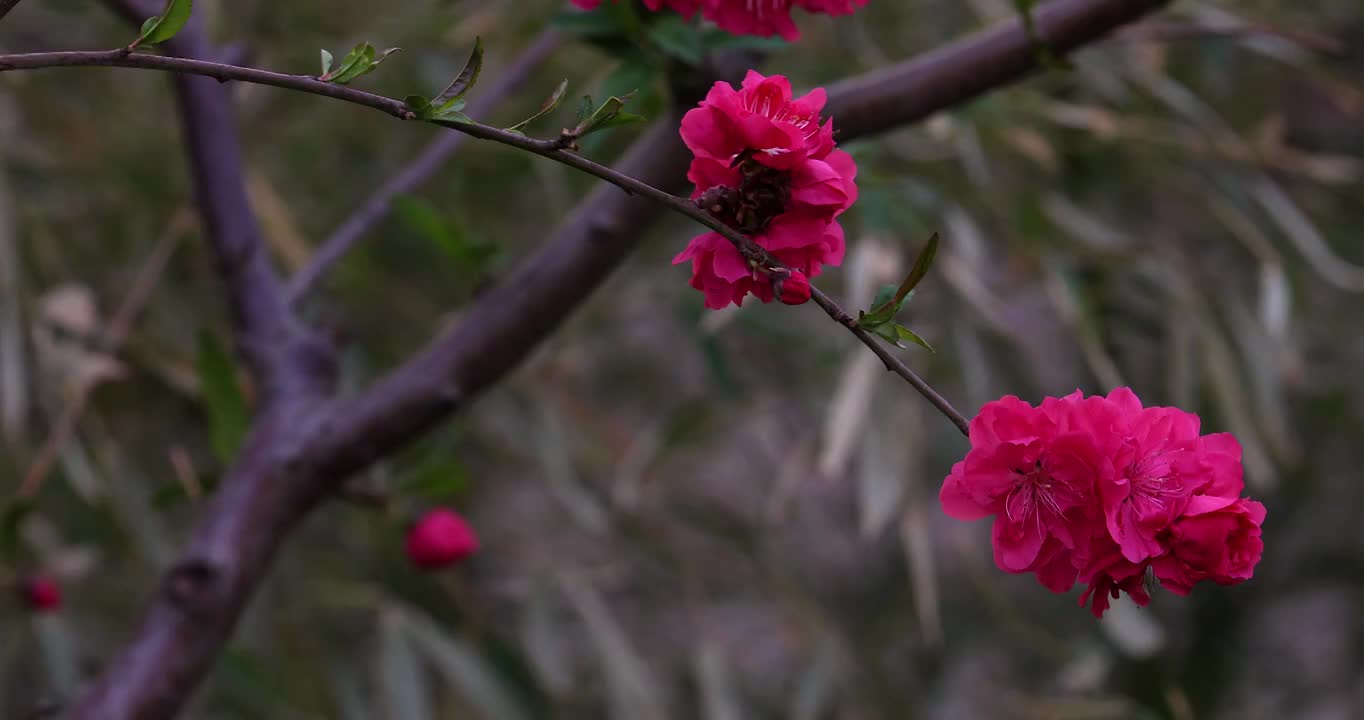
(749,17)
(766,166)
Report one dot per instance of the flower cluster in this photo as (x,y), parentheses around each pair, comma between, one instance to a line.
(1104,491)
(748,17)
(765,165)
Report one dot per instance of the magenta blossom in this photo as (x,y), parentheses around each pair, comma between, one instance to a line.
(765,165)
(1106,492)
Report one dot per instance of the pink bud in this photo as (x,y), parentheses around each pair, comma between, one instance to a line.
(440,538)
(795,288)
(41,594)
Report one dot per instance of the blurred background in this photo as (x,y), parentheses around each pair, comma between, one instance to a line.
(695,514)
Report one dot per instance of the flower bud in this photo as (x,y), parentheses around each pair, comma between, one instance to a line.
(41,594)
(795,288)
(440,538)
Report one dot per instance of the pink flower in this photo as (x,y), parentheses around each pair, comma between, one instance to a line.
(1103,490)
(765,165)
(440,538)
(1035,478)
(1222,545)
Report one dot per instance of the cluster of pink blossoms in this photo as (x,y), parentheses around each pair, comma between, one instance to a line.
(1103,491)
(766,166)
(748,17)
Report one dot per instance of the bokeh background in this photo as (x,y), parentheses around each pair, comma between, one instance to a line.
(695,514)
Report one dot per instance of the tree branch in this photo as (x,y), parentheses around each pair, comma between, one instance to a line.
(294,459)
(428,161)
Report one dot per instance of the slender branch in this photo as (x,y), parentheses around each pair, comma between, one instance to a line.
(221,72)
(428,161)
(892,363)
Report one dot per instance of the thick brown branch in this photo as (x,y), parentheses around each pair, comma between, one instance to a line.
(431,158)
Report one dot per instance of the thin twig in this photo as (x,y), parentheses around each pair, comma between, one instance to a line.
(148,277)
(431,158)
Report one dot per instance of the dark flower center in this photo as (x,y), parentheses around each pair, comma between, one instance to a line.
(762,195)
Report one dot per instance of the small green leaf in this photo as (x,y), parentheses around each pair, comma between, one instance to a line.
(920,269)
(546,107)
(352,65)
(467,78)
(449,111)
(163,27)
(326,63)
(417,103)
(228,416)
(607,116)
(617,120)
(453,119)
(585,108)
(890,299)
(904,334)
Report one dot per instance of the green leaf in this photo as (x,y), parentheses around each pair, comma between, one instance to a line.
(448,111)
(228,416)
(163,27)
(361,60)
(607,116)
(417,103)
(453,118)
(890,299)
(585,109)
(326,63)
(920,269)
(467,78)
(904,334)
(546,107)
(352,65)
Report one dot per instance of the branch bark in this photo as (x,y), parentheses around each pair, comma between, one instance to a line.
(299,452)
